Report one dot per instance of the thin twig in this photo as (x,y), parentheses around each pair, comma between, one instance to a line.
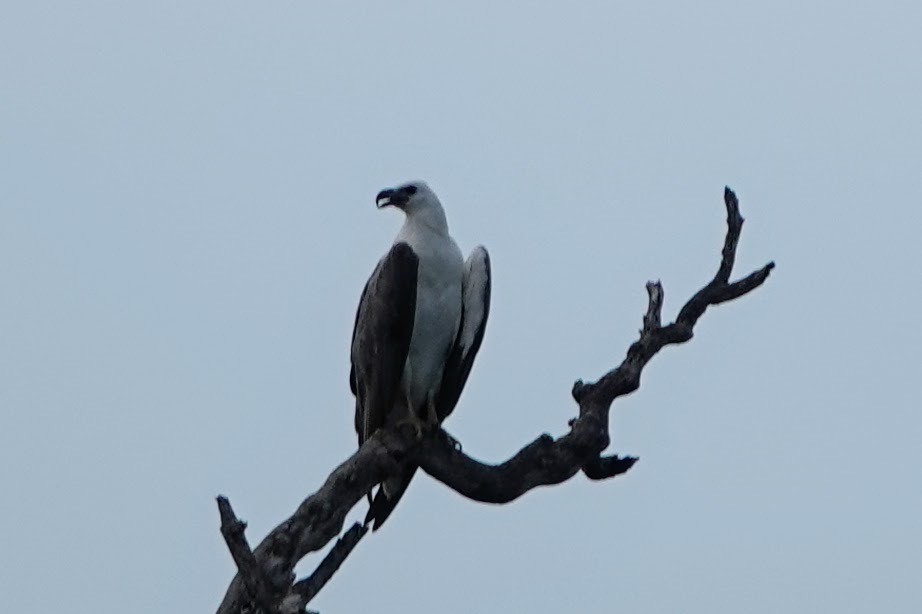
(304,590)
(232,528)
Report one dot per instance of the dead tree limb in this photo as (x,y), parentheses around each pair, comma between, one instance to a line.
(265,581)
(254,581)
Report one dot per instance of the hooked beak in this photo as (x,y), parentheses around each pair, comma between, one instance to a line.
(388,198)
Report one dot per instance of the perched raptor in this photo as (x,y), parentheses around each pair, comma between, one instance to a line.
(419,326)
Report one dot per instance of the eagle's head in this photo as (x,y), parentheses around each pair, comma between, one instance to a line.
(411,196)
(417,200)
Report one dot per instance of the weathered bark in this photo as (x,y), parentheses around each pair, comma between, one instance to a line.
(265,581)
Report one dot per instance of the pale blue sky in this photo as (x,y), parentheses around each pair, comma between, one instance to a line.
(187,219)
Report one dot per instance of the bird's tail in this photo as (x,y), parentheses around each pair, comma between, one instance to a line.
(388,495)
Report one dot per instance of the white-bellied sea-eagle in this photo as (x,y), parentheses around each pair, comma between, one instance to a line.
(419,325)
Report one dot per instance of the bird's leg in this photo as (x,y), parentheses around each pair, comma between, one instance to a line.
(413,420)
(432,416)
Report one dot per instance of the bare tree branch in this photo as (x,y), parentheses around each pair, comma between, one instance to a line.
(251,573)
(265,581)
(305,590)
(319,518)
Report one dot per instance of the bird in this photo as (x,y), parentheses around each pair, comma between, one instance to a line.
(418,327)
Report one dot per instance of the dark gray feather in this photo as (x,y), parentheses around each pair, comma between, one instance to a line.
(381,338)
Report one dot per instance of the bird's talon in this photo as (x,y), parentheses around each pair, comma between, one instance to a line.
(410,428)
(454,443)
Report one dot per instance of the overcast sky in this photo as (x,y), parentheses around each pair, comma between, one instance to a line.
(187,219)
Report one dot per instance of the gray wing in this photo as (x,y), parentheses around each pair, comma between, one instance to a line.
(475,299)
(381,338)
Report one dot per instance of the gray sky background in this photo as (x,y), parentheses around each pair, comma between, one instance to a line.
(187,219)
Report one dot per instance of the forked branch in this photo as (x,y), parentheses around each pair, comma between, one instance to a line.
(265,581)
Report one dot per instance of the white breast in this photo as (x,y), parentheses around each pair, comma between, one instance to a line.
(438,311)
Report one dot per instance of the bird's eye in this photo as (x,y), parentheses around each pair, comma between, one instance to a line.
(410,190)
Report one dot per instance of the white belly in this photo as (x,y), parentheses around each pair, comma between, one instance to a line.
(438,315)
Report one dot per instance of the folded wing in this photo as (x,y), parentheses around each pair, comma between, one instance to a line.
(475,311)
(381,338)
